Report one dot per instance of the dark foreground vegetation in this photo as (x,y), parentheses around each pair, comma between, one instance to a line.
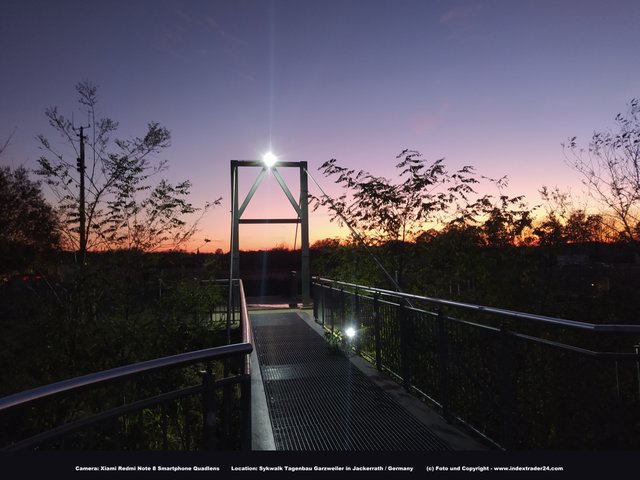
(61,321)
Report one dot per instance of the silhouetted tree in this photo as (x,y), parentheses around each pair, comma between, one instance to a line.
(387,211)
(565,223)
(582,228)
(550,228)
(26,219)
(610,168)
(124,208)
(502,221)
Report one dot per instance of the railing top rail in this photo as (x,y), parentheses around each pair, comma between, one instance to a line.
(492,310)
(245,321)
(120,373)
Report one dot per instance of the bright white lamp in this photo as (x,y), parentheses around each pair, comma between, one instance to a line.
(269,159)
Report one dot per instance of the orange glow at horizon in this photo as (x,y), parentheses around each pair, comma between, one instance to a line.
(269,201)
(266,237)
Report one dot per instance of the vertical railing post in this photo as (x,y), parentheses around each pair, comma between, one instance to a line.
(315,295)
(356,319)
(637,349)
(227,394)
(209,410)
(164,425)
(405,347)
(187,426)
(331,309)
(293,294)
(356,308)
(342,309)
(443,365)
(617,375)
(377,329)
(245,394)
(506,369)
(323,289)
(227,391)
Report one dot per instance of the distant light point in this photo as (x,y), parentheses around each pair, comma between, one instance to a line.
(350,332)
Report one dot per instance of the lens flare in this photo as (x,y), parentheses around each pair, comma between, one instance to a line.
(269,159)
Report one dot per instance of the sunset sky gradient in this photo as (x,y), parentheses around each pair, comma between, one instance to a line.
(494,84)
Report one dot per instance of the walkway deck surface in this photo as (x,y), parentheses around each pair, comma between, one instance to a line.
(319,400)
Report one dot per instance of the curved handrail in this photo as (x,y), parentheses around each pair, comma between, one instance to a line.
(47,392)
(497,311)
(119,373)
(245,321)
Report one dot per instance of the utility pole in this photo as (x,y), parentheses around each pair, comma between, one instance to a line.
(81,169)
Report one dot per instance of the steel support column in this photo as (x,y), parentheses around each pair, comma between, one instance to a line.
(304,234)
(301,209)
(235,223)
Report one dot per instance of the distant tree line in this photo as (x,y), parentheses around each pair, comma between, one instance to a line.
(426,196)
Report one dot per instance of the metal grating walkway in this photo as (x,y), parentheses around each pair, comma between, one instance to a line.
(319,401)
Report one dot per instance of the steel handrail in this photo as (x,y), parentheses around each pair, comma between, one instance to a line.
(93,380)
(497,311)
(120,373)
(502,380)
(245,321)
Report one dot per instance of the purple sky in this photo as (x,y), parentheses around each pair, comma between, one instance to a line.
(495,84)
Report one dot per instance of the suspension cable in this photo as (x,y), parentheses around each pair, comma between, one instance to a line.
(355,233)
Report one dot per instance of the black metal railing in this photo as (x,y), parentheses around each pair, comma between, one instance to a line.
(149,413)
(518,380)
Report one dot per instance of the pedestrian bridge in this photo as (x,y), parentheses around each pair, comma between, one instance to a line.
(297,391)
(420,374)
(314,397)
